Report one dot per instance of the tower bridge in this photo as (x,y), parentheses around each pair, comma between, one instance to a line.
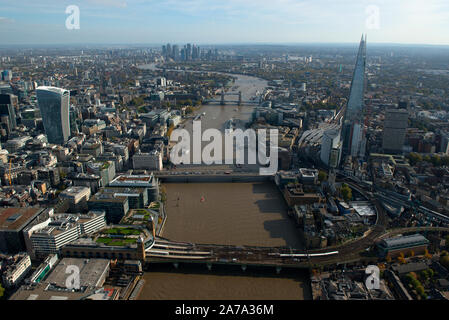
(223,93)
(239,100)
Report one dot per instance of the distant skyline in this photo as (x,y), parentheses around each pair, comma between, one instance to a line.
(225,21)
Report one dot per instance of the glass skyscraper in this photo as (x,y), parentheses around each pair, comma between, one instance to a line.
(54,105)
(7,109)
(353,126)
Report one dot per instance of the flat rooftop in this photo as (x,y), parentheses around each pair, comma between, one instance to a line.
(73,191)
(107,196)
(91,272)
(40,293)
(133,178)
(17,218)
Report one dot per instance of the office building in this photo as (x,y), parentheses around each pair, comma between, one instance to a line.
(12,223)
(8,103)
(148,161)
(89,248)
(6,75)
(105,169)
(137,197)
(176,53)
(395,127)
(353,131)
(61,229)
(49,174)
(54,105)
(115,206)
(161,82)
(77,198)
(94,149)
(17,271)
(331,148)
(91,181)
(149,182)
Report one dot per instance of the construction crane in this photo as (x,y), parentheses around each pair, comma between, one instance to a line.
(9,174)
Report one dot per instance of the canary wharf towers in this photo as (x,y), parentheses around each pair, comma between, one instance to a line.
(54,105)
(353,132)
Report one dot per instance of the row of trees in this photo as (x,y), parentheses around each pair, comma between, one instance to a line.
(435,159)
(413,281)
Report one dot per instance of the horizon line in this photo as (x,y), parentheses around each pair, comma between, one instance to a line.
(159,44)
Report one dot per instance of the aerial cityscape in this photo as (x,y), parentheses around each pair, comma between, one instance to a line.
(221,170)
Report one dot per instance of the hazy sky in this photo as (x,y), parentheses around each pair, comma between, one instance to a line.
(225,21)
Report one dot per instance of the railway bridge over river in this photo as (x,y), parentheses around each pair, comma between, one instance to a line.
(166,251)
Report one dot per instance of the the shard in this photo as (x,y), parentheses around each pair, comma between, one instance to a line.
(353,127)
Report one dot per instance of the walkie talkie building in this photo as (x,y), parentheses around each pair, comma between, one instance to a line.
(54,105)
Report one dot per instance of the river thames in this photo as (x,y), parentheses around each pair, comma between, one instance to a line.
(253,214)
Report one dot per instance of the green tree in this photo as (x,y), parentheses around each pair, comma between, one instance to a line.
(444,260)
(414,158)
(425,274)
(322,176)
(346,192)
(142,109)
(138,101)
(2,291)
(420,290)
(436,160)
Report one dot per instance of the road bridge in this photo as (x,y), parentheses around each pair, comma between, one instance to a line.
(210,176)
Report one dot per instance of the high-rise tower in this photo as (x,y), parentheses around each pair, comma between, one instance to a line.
(395,127)
(54,105)
(353,132)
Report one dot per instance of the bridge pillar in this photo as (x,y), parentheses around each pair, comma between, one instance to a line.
(176,265)
(222,97)
(240,98)
(209,266)
(243,267)
(278,270)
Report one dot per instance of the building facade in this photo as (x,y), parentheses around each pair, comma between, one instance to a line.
(331,148)
(395,127)
(54,105)
(353,134)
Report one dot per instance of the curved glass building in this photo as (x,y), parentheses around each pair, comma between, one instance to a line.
(54,105)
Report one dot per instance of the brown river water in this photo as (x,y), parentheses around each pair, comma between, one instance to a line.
(235,214)
(251,214)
